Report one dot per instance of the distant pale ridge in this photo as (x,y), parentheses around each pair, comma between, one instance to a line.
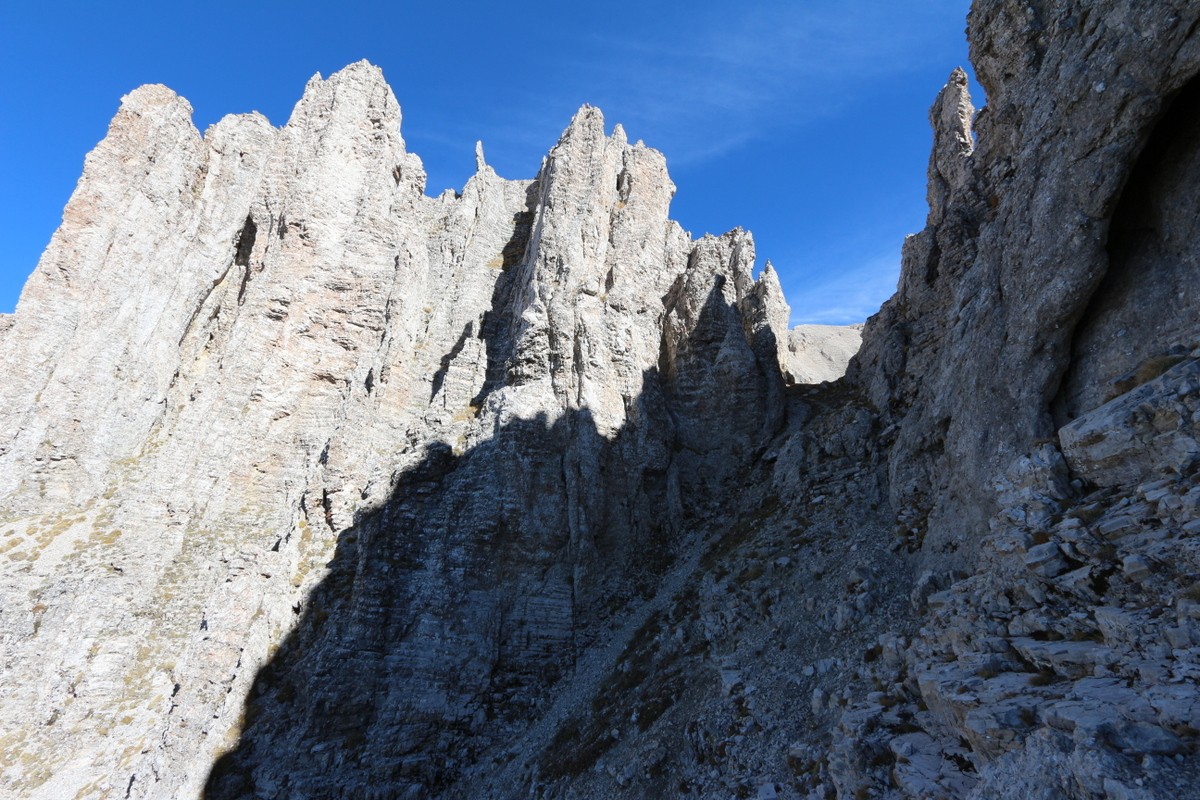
(818,353)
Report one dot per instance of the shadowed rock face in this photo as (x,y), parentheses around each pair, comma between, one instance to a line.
(315,486)
(1141,311)
(969,354)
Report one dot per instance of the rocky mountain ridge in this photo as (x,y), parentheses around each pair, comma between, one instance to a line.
(314,486)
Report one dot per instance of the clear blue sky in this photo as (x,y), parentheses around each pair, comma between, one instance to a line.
(803,121)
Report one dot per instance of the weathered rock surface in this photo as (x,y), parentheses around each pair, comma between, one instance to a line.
(1149,428)
(477,424)
(1003,292)
(314,486)
(819,353)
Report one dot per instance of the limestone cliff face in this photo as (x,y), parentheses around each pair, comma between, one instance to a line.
(260,361)
(1035,377)
(314,486)
(994,334)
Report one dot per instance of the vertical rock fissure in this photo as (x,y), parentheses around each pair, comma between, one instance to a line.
(497,327)
(242,251)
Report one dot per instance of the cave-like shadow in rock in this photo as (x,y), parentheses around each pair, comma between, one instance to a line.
(450,610)
(1142,318)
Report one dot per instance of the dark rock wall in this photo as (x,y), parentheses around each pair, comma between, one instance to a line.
(969,355)
(1146,305)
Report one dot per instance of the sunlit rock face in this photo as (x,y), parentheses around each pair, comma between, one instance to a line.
(314,486)
(261,384)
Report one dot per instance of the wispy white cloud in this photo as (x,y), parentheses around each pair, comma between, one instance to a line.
(732,76)
(723,79)
(843,291)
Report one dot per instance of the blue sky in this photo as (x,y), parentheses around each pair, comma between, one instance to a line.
(803,121)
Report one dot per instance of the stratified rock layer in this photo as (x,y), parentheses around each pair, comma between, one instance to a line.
(315,486)
(475,423)
(1000,294)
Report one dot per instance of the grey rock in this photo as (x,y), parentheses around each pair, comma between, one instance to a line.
(314,485)
(1136,567)
(1046,560)
(1047,163)
(294,354)
(1145,431)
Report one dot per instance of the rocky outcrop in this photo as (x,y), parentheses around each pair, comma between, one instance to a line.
(1000,293)
(285,407)
(1153,259)
(1041,404)
(1148,429)
(314,486)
